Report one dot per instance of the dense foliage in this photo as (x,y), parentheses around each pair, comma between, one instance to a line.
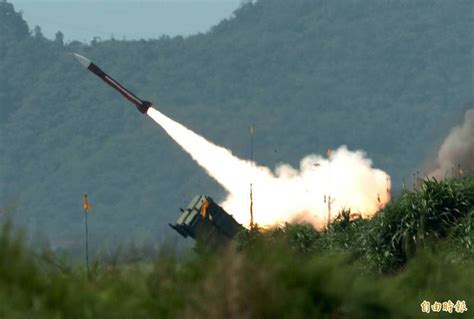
(390,77)
(290,272)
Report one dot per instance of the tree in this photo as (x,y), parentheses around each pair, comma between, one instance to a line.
(59,38)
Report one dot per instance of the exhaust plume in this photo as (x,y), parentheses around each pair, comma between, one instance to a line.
(457,151)
(314,193)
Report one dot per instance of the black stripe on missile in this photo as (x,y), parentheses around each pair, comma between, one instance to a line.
(96,70)
(123,91)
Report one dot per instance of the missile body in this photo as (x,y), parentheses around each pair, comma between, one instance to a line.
(141,105)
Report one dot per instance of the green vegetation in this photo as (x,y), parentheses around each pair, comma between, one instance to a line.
(356,269)
(389,77)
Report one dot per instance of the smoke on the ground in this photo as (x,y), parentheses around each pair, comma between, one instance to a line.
(456,154)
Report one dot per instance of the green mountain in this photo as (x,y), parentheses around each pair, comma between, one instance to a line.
(387,77)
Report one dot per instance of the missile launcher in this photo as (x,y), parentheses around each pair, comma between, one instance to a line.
(207,223)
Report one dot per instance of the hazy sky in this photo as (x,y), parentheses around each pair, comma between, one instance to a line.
(130,19)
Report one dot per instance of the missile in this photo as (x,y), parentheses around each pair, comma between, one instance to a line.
(141,105)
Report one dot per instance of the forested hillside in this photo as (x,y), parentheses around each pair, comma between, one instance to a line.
(387,77)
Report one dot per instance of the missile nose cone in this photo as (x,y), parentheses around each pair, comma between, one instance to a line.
(82,60)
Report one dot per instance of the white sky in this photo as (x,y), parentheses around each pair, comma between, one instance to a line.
(131,19)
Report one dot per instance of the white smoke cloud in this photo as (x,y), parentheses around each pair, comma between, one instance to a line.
(287,194)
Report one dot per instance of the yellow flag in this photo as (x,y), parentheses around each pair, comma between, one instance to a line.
(204,207)
(328,153)
(85,204)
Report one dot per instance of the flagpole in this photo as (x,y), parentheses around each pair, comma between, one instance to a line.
(252,131)
(329,199)
(329,211)
(87,236)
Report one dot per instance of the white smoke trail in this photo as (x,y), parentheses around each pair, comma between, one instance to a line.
(288,194)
